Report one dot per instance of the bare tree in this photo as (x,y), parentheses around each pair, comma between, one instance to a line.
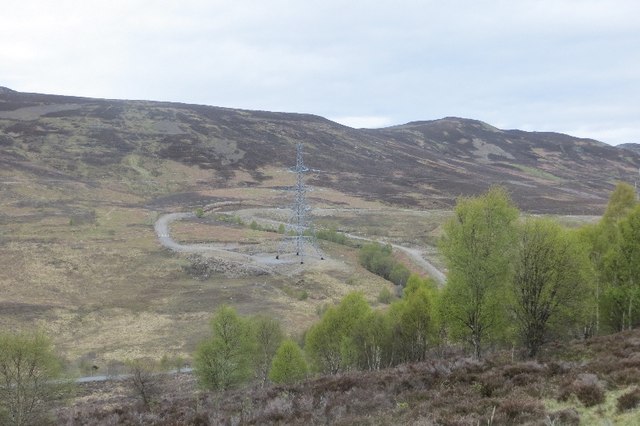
(145,380)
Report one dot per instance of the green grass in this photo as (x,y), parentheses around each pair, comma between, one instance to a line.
(602,414)
(532,171)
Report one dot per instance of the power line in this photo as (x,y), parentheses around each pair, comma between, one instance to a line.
(299,221)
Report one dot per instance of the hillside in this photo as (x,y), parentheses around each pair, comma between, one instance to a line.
(147,145)
(83,181)
(589,382)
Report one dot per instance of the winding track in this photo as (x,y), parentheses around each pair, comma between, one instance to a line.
(164,237)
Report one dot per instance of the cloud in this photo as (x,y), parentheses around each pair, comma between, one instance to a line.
(364,122)
(547,63)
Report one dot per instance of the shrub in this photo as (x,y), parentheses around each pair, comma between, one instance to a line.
(625,377)
(145,380)
(385,296)
(587,388)
(378,259)
(489,384)
(589,394)
(519,410)
(333,236)
(629,400)
(288,365)
(199,212)
(568,417)
(399,274)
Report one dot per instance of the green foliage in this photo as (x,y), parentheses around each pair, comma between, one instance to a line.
(327,343)
(29,373)
(372,341)
(385,296)
(268,336)
(613,247)
(621,202)
(333,236)
(476,244)
(281,228)
(352,335)
(225,360)
(399,274)
(199,212)
(378,259)
(414,322)
(224,217)
(289,365)
(254,225)
(550,284)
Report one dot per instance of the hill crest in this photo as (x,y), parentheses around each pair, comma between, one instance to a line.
(423,164)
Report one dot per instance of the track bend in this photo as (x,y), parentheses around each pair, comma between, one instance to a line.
(164,237)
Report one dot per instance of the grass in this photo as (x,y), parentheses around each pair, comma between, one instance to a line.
(82,262)
(539,173)
(602,414)
(81,259)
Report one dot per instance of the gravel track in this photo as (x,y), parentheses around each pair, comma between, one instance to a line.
(164,237)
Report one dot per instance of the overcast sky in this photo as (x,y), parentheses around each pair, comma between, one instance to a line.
(571,66)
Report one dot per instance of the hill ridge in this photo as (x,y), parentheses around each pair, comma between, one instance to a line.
(424,164)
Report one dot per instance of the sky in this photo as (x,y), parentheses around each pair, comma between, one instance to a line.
(570,66)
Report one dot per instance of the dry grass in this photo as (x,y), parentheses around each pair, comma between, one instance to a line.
(83,263)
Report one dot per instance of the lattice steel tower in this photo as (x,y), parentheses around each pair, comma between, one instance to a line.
(300,224)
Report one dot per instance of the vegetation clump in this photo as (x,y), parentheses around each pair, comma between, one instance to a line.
(289,365)
(378,258)
(629,400)
(30,378)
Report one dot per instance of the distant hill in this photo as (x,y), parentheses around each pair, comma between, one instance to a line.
(420,164)
(630,146)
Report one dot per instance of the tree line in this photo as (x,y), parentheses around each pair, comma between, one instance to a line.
(525,280)
(513,281)
(348,336)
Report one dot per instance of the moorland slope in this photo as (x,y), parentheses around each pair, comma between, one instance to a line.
(420,164)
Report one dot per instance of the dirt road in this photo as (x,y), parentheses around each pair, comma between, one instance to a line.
(164,237)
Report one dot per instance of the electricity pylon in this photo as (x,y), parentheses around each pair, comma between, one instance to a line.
(300,225)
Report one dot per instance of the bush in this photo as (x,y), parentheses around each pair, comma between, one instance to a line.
(587,388)
(589,394)
(199,212)
(518,411)
(288,365)
(333,236)
(568,417)
(385,296)
(629,400)
(399,274)
(378,259)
